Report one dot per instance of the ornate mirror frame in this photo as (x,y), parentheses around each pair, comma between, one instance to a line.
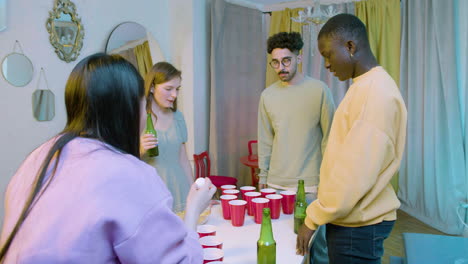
(65,7)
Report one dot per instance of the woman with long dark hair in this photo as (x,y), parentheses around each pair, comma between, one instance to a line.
(84,196)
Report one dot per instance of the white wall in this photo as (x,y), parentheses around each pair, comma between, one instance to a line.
(201,80)
(171,26)
(190,53)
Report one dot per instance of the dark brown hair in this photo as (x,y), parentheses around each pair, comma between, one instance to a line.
(285,40)
(100,88)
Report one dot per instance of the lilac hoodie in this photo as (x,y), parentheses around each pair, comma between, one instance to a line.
(101,207)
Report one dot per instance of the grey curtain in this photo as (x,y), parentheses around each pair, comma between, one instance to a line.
(433,180)
(238,58)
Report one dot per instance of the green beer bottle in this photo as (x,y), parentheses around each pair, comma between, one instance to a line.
(266,244)
(150,130)
(300,207)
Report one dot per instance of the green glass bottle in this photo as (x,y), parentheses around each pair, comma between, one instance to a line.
(150,130)
(300,207)
(266,244)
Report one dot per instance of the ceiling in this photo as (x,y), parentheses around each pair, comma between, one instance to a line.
(276,5)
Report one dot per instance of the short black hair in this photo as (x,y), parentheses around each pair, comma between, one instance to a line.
(345,25)
(285,40)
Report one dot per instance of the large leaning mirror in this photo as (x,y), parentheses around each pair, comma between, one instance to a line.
(17,69)
(136,44)
(65,30)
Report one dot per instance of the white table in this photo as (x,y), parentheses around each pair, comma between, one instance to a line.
(240,243)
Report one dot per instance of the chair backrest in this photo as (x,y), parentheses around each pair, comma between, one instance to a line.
(251,142)
(202,165)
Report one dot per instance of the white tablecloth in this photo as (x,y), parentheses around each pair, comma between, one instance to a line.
(240,243)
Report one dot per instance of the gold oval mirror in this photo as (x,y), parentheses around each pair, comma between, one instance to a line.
(65,30)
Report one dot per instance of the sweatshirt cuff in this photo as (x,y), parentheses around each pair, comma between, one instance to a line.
(262,177)
(310,224)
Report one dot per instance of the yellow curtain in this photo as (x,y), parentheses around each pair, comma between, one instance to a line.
(382,19)
(281,22)
(143,58)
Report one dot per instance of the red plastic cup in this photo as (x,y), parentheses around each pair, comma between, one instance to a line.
(258,205)
(211,242)
(288,201)
(225,205)
(212,254)
(206,230)
(267,191)
(232,192)
(245,189)
(248,197)
(227,187)
(237,212)
(275,205)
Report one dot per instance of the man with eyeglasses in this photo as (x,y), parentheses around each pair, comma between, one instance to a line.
(294,118)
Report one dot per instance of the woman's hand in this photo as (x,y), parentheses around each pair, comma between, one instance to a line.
(147,141)
(198,200)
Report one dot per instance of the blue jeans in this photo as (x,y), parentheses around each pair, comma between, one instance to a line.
(318,251)
(357,245)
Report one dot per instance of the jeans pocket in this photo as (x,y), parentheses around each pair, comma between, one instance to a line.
(380,233)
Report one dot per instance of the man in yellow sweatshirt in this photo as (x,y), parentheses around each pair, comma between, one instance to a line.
(365,147)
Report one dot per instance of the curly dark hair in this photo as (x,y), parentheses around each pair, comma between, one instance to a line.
(285,40)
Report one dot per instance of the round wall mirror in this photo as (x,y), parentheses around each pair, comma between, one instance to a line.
(133,42)
(17,69)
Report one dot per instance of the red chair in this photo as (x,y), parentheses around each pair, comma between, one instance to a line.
(253,159)
(250,146)
(202,169)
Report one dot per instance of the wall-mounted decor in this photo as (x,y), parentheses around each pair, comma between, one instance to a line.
(17,69)
(3,15)
(65,30)
(43,101)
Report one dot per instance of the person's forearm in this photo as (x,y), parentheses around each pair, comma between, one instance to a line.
(191,219)
(185,163)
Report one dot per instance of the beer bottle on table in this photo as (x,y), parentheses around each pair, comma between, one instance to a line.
(300,207)
(266,244)
(150,130)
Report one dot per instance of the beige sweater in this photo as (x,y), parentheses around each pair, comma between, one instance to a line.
(364,151)
(293,126)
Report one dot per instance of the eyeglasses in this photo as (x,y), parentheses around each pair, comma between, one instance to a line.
(286,61)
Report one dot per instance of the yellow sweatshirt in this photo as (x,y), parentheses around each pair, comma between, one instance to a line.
(364,151)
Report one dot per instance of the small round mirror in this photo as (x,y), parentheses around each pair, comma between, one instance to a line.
(17,69)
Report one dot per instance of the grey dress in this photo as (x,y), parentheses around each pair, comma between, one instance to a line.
(167,163)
